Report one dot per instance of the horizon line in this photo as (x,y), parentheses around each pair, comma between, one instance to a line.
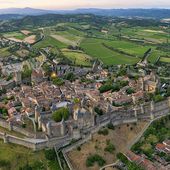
(69,9)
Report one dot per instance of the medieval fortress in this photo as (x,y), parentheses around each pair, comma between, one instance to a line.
(32,100)
(66,133)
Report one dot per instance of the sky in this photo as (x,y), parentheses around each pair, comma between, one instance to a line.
(73,4)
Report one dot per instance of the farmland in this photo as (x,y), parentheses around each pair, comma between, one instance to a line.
(17,35)
(113,44)
(104,45)
(49,42)
(78,58)
(4,52)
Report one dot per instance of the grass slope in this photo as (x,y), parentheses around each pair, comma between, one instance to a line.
(19,156)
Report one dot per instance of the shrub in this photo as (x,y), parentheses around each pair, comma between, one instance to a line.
(38,165)
(26,167)
(98,111)
(23,125)
(158,98)
(110,126)
(105,88)
(79,148)
(70,76)
(95,158)
(103,132)
(130,91)
(58,81)
(110,147)
(4,164)
(50,154)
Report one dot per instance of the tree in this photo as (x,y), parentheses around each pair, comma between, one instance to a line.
(4,164)
(105,88)
(26,73)
(110,147)
(61,113)
(98,111)
(158,98)
(70,76)
(95,158)
(58,81)
(26,167)
(50,154)
(130,90)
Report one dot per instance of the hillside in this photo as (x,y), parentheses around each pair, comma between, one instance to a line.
(149,13)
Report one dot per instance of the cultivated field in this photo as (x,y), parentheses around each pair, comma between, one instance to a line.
(95,48)
(30,39)
(49,42)
(4,52)
(78,57)
(113,46)
(26,32)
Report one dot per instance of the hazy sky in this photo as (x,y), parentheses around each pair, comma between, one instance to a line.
(72,4)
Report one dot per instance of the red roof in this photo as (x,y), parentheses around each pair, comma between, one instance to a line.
(160,146)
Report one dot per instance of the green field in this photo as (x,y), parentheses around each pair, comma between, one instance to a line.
(17,35)
(165,59)
(108,47)
(153,34)
(69,36)
(129,47)
(94,48)
(78,58)
(49,42)
(4,52)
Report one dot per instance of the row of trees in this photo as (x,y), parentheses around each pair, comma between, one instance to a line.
(116,86)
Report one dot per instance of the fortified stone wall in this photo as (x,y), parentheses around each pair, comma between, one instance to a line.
(119,117)
(11,127)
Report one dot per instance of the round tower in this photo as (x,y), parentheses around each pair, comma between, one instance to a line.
(37,114)
(39,123)
(48,126)
(17,77)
